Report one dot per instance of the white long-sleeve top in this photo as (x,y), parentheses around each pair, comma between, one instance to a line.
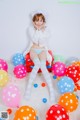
(40,38)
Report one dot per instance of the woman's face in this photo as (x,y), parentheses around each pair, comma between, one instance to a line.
(39,22)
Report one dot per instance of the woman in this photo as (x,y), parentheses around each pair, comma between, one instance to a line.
(39,35)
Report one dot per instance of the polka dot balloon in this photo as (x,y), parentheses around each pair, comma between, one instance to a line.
(18,59)
(66,84)
(77,85)
(3,65)
(73,72)
(20,71)
(11,96)
(57,112)
(25,113)
(77,63)
(59,69)
(4,78)
(69,101)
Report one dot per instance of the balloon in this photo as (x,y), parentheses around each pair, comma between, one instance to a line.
(69,101)
(9,111)
(11,96)
(30,64)
(59,69)
(70,60)
(20,71)
(66,84)
(59,58)
(18,59)
(25,113)
(73,72)
(3,65)
(3,78)
(57,112)
(77,84)
(77,63)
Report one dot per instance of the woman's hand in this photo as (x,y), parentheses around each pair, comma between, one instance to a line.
(43,27)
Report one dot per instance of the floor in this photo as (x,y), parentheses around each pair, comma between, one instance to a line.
(38,93)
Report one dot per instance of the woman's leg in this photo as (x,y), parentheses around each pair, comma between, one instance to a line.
(35,69)
(42,57)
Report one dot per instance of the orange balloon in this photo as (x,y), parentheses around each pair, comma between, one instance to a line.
(77,63)
(25,113)
(69,101)
(43,84)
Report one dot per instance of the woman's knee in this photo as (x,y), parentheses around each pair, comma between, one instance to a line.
(37,62)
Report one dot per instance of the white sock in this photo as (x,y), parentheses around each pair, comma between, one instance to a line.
(48,80)
(32,78)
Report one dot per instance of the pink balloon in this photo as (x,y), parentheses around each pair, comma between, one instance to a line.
(20,71)
(59,69)
(11,96)
(3,65)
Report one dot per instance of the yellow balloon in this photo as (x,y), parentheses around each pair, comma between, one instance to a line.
(3,78)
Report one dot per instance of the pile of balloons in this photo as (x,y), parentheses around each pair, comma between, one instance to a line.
(18,61)
(68,70)
(10,93)
(69,75)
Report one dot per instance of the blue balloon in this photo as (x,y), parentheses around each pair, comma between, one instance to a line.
(1,119)
(18,59)
(66,84)
(35,85)
(44,100)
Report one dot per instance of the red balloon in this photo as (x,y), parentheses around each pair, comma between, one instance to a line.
(29,64)
(57,112)
(73,71)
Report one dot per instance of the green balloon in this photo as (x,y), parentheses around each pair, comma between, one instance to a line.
(59,58)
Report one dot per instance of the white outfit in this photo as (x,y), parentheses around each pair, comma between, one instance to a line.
(39,37)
